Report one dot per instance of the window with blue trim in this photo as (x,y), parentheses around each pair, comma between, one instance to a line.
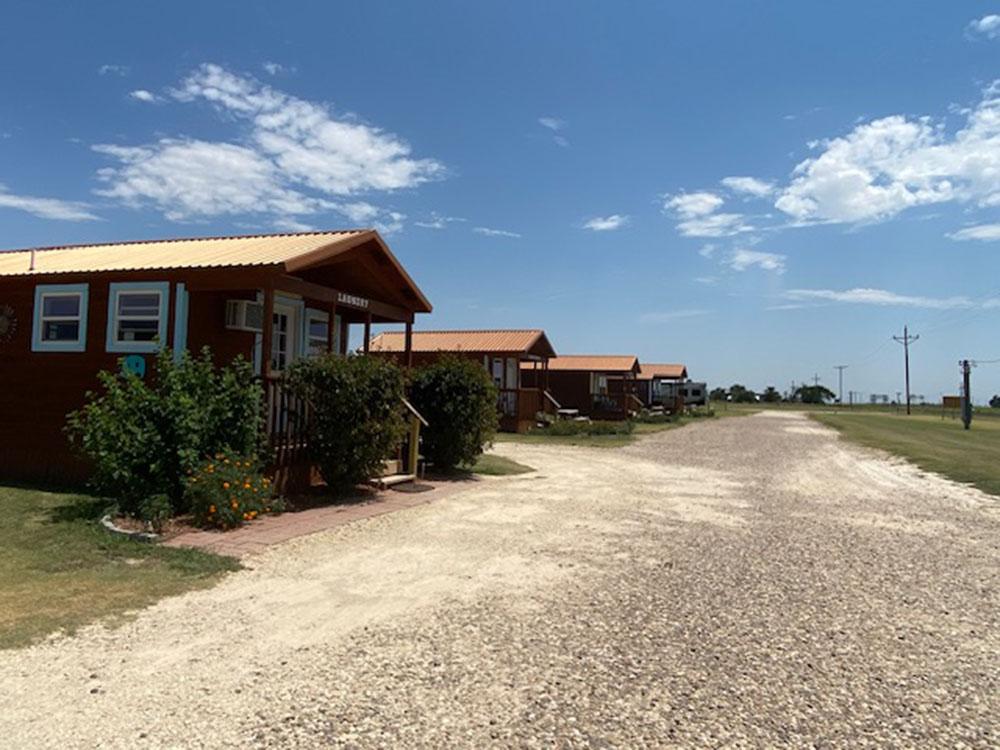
(137,316)
(60,319)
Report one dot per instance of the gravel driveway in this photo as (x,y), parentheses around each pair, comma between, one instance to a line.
(743,582)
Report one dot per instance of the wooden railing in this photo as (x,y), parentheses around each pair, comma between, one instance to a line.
(286,423)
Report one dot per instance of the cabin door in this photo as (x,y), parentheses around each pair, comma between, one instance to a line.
(284,338)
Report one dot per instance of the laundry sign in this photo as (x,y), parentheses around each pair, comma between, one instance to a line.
(352,300)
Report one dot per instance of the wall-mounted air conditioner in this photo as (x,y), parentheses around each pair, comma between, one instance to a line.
(244,315)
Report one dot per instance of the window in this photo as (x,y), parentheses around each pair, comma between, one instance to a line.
(60,321)
(137,316)
(317,323)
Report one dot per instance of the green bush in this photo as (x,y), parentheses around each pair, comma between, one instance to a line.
(228,490)
(143,436)
(570,427)
(357,418)
(155,511)
(458,399)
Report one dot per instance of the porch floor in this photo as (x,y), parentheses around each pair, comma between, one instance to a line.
(264,532)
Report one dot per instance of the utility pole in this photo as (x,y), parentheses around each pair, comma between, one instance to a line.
(966,393)
(816,379)
(840,377)
(906,339)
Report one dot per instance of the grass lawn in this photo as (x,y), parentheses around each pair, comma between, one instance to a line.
(540,437)
(62,570)
(932,443)
(498,466)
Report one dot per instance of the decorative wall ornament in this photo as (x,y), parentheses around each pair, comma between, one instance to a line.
(8,323)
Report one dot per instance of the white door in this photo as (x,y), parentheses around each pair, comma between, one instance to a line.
(284,337)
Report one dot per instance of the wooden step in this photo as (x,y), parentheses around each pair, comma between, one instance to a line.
(391,480)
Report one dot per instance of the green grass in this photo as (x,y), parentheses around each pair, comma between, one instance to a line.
(498,466)
(541,437)
(61,569)
(932,443)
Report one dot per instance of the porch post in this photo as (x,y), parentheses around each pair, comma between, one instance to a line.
(344,334)
(409,342)
(368,332)
(330,330)
(268,332)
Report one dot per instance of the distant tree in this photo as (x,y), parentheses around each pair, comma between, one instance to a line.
(740,394)
(995,402)
(718,394)
(813,394)
(770,395)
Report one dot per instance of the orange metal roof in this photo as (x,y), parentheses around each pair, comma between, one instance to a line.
(288,252)
(201,252)
(595,363)
(673,372)
(531,341)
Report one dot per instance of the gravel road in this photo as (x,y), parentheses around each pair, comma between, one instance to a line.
(744,582)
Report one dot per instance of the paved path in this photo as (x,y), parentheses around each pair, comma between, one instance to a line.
(746,582)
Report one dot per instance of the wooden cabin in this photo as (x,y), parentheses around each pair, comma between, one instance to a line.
(503,353)
(68,312)
(652,381)
(597,386)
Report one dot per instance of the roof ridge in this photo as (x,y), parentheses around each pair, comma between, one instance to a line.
(214,238)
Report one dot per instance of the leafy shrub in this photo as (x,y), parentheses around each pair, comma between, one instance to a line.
(228,490)
(142,437)
(648,417)
(458,399)
(155,511)
(582,427)
(356,420)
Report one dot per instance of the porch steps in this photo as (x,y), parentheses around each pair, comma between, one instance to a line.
(390,480)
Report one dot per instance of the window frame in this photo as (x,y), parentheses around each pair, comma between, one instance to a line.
(312,314)
(82,291)
(112,344)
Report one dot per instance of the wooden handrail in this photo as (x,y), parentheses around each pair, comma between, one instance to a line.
(551,399)
(413,410)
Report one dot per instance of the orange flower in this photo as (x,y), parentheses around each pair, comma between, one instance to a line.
(211,509)
(225,485)
(246,485)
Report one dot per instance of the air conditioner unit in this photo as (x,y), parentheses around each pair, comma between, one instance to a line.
(244,315)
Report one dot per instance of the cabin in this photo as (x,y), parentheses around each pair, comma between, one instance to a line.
(653,381)
(596,386)
(502,352)
(68,312)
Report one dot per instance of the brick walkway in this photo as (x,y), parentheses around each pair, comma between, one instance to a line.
(258,535)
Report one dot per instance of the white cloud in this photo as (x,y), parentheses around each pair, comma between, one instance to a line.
(606,223)
(117,70)
(741,259)
(987,26)
(707,250)
(888,165)
(437,221)
(47,208)
(664,317)
(556,126)
(981,232)
(495,232)
(690,205)
(714,225)
(881,297)
(142,95)
(749,185)
(292,225)
(291,158)
(696,212)
(273,68)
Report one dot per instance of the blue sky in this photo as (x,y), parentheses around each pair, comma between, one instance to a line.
(760,190)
